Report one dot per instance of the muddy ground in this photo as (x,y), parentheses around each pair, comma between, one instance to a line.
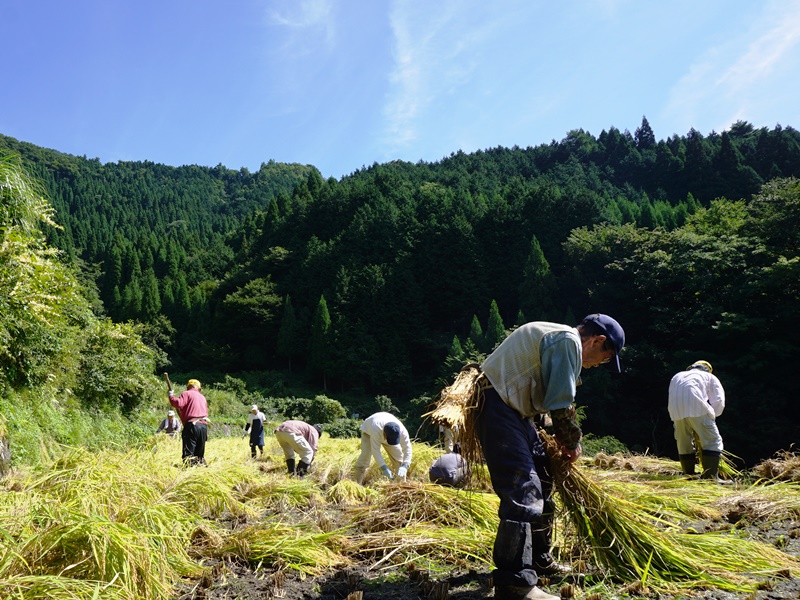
(232,580)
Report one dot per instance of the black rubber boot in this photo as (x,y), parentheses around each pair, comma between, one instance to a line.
(710,461)
(687,463)
(543,561)
(290,465)
(302,468)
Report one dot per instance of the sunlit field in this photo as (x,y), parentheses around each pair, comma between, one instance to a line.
(137,524)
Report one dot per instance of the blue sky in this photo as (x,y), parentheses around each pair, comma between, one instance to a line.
(341,84)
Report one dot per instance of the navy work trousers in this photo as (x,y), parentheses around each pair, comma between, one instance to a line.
(518,466)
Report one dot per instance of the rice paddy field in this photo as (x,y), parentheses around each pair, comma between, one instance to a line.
(137,525)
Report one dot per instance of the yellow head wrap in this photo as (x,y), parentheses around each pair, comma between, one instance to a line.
(703,365)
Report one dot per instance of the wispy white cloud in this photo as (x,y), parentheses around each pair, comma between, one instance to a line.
(762,54)
(301,17)
(434,48)
(734,78)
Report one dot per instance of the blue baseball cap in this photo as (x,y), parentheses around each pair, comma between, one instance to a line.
(392,433)
(613,331)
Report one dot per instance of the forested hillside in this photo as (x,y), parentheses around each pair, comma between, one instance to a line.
(387,280)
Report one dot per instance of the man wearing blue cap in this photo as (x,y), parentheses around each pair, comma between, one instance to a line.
(384,430)
(534,371)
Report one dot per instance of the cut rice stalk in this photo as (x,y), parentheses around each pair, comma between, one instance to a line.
(631,543)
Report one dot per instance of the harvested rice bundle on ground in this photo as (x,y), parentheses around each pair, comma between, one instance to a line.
(55,587)
(287,546)
(348,492)
(630,543)
(637,464)
(762,502)
(424,546)
(277,491)
(784,466)
(209,493)
(411,503)
(91,547)
(675,503)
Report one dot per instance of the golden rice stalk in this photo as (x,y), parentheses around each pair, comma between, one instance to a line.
(91,547)
(207,492)
(662,503)
(55,587)
(285,546)
(631,543)
(168,526)
(348,492)
(456,400)
(784,466)
(636,464)
(456,408)
(280,490)
(411,503)
(420,543)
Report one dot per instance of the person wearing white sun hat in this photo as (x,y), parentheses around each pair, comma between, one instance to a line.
(170,425)
(255,425)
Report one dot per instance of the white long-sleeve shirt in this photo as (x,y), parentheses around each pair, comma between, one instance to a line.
(695,393)
(373,427)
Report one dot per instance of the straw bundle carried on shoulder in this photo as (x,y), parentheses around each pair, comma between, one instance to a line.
(456,408)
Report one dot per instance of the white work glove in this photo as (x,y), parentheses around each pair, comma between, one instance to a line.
(387,471)
(172,392)
(401,472)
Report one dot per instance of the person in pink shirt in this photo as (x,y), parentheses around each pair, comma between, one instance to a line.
(193,410)
(301,439)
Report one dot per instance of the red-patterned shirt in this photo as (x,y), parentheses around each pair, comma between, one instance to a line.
(191,405)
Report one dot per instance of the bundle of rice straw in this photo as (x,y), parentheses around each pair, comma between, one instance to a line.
(456,409)
(727,469)
(631,543)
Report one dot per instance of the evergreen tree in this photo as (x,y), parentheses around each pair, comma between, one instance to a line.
(113,273)
(132,297)
(495,330)
(538,286)
(321,347)
(476,333)
(288,334)
(644,136)
(151,299)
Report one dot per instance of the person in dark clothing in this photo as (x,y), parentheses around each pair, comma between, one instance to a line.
(255,425)
(171,425)
(534,371)
(449,469)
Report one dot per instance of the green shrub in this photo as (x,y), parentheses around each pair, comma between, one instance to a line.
(608,444)
(320,409)
(343,428)
(116,368)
